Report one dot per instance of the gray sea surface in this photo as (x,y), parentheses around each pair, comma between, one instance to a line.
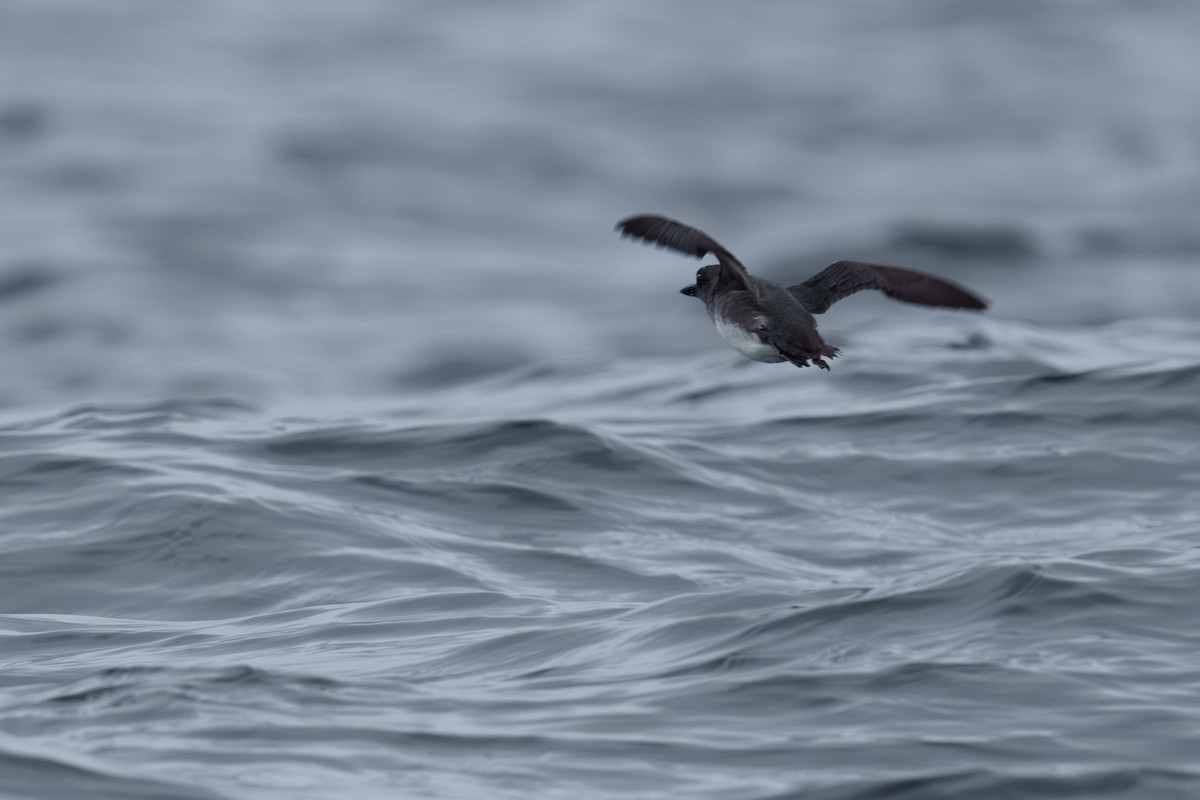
(345,450)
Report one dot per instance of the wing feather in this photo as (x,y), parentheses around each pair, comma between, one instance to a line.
(668,233)
(844,278)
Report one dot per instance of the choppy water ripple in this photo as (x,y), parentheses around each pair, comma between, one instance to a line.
(968,578)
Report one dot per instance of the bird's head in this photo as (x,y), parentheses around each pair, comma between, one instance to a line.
(706,278)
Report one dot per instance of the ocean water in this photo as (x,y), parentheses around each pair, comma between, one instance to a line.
(345,450)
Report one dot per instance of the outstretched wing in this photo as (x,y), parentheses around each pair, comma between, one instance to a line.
(844,278)
(664,232)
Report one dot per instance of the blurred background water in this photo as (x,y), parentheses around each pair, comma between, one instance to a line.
(346,451)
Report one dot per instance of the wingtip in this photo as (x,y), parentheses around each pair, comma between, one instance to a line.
(957,296)
(975,303)
(623,224)
(669,234)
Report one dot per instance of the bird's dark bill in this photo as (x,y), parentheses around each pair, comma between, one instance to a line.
(690,291)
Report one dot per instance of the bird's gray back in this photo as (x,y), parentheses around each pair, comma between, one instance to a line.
(782,306)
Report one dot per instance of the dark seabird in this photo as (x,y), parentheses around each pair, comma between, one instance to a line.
(766,322)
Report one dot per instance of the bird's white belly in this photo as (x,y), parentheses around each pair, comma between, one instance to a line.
(747,343)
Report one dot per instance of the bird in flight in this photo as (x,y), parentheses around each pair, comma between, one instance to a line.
(767,322)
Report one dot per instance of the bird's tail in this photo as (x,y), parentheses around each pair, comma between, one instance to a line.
(814,354)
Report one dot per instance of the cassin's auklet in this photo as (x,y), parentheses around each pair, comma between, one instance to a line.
(766,322)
